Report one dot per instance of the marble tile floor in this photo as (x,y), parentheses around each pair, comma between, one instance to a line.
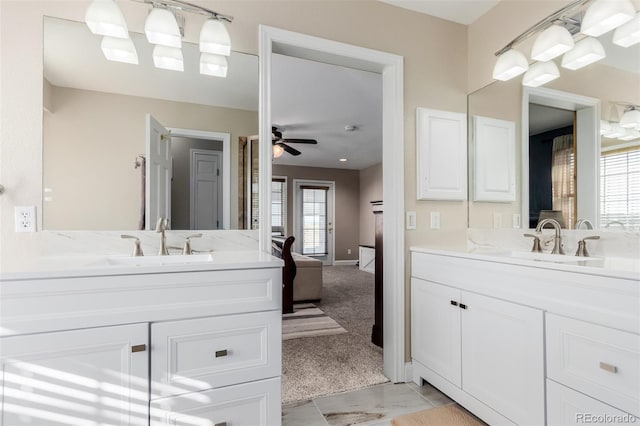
(374,406)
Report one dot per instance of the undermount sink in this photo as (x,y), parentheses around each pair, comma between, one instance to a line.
(178,259)
(548,257)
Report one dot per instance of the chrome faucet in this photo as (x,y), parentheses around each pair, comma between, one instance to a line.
(586,222)
(557,246)
(161,226)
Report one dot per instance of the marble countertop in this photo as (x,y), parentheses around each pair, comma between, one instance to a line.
(49,267)
(614,267)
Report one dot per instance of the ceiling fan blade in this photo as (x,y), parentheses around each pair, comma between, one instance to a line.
(290,150)
(310,141)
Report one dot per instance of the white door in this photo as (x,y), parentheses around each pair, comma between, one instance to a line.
(314,219)
(81,377)
(503,357)
(435,334)
(158,173)
(206,189)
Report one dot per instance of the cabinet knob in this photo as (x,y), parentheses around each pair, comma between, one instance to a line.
(608,367)
(138,348)
(221,353)
(454,303)
(463,306)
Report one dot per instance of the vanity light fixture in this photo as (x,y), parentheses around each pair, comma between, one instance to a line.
(628,34)
(214,65)
(510,64)
(605,127)
(540,73)
(605,15)
(586,51)
(551,43)
(104,17)
(615,131)
(630,135)
(161,28)
(278,150)
(119,50)
(168,58)
(631,118)
(214,38)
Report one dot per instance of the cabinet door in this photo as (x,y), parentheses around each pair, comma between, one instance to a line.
(435,328)
(78,377)
(502,359)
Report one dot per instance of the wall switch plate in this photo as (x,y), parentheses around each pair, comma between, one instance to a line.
(435,220)
(497,220)
(348,251)
(411,220)
(25,217)
(516,221)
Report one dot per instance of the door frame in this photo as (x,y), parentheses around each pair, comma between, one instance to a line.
(193,152)
(274,40)
(331,209)
(225,138)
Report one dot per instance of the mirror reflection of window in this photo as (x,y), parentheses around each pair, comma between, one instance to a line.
(620,188)
(278,206)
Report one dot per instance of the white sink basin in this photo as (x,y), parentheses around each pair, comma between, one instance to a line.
(548,257)
(177,259)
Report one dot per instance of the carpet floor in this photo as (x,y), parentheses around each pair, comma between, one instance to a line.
(324,365)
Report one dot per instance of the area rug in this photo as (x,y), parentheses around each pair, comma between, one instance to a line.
(307,320)
(448,415)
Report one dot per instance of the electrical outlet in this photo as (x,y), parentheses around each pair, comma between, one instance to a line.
(25,218)
(497,220)
(516,221)
(348,251)
(435,220)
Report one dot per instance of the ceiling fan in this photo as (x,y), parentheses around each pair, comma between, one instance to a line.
(278,141)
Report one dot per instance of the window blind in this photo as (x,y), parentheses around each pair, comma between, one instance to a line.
(278,206)
(620,189)
(314,220)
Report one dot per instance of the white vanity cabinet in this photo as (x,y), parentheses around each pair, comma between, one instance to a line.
(480,345)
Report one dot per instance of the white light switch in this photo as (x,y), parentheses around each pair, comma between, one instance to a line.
(516,221)
(497,220)
(435,220)
(411,220)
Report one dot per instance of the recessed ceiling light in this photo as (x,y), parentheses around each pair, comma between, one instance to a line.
(343,160)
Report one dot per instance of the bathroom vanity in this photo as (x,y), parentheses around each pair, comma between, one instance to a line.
(519,340)
(120,342)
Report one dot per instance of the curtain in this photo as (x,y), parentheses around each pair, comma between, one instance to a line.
(563,179)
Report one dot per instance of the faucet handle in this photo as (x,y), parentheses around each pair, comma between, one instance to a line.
(137,249)
(187,243)
(536,243)
(582,246)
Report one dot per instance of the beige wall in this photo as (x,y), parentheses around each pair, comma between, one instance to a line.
(347,204)
(91,141)
(370,190)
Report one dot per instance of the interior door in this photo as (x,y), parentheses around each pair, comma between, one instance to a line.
(158,174)
(206,189)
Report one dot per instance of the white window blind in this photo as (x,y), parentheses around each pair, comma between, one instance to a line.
(620,189)
(278,206)
(314,220)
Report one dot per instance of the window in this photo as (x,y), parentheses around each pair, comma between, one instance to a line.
(620,189)
(314,220)
(278,206)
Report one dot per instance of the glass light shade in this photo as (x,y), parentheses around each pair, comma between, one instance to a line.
(628,34)
(161,27)
(605,127)
(605,15)
(278,150)
(540,73)
(104,17)
(214,65)
(586,51)
(630,119)
(119,50)
(630,135)
(510,64)
(214,38)
(615,131)
(551,43)
(168,58)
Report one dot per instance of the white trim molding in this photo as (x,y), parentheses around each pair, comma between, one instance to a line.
(352,262)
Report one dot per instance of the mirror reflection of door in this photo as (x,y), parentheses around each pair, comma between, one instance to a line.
(158,173)
(206,189)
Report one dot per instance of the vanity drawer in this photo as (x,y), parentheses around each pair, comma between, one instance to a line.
(599,361)
(249,404)
(200,354)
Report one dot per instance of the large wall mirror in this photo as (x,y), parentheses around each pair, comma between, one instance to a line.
(557,126)
(99,120)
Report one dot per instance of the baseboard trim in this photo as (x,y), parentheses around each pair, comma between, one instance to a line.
(345,262)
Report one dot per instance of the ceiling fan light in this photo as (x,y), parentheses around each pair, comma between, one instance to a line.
(119,50)
(630,119)
(551,43)
(540,73)
(628,34)
(586,51)
(161,28)
(168,58)
(278,150)
(615,131)
(630,135)
(510,64)
(605,15)
(214,65)
(605,127)
(214,38)
(104,17)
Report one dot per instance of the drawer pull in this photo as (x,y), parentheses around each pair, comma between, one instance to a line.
(138,348)
(218,355)
(463,306)
(454,303)
(221,424)
(608,367)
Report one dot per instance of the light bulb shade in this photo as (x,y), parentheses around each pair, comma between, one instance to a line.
(214,65)
(586,51)
(214,38)
(630,135)
(628,34)
(510,64)
(540,73)
(615,131)
(168,58)
(551,43)
(104,17)
(605,127)
(630,119)
(119,50)
(161,27)
(604,15)
(278,150)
